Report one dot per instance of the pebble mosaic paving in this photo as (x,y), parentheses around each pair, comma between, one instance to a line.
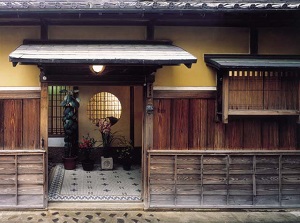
(76,217)
(217,216)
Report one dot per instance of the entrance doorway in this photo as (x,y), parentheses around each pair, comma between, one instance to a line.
(103,185)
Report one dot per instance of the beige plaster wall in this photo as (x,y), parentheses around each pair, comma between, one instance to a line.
(97,32)
(199,41)
(196,40)
(10,39)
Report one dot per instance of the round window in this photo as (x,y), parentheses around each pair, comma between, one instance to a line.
(104,105)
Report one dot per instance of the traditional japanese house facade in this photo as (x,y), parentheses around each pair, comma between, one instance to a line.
(210,95)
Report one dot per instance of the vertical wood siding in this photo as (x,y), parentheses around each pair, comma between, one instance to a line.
(179,124)
(189,124)
(162,124)
(19,124)
(31,127)
(13,124)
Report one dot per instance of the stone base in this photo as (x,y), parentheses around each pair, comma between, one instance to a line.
(107,163)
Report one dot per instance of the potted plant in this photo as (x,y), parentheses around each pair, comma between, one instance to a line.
(108,138)
(125,153)
(70,125)
(86,145)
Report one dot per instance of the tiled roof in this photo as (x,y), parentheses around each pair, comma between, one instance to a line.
(105,53)
(252,62)
(92,5)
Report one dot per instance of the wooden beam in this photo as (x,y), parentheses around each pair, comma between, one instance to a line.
(19,94)
(272,112)
(173,94)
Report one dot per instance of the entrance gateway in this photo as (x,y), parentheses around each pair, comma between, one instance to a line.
(128,63)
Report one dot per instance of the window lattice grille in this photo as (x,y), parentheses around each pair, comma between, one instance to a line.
(55,110)
(102,105)
(261,90)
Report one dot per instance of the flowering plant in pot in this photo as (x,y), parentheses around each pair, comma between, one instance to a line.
(86,145)
(125,152)
(70,125)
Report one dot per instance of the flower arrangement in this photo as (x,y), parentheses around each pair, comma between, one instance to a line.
(86,145)
(104,125)
(87,142)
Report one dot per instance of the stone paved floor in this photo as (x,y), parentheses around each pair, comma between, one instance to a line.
(141,216)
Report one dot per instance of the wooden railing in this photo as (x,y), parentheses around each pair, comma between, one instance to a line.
(223,179)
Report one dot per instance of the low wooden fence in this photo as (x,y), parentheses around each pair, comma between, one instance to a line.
(223,179)
(22,179)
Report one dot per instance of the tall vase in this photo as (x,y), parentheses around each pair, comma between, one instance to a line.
(106,152)
(106,145)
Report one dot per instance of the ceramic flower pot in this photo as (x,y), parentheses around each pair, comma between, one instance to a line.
(69,163)
(127,164)
(88,165)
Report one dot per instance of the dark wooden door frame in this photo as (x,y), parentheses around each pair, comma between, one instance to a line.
(147,128)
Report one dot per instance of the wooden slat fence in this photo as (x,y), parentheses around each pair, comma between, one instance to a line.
(22,179)
(224,179)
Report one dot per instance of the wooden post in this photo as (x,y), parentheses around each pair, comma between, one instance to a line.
(298,97)
(280,180)
(44,135)
(147,137)
(44,116)
(132,115)
(227,178)
(225,97)
(44,30)
(254,181)
(150,31)
(253,41)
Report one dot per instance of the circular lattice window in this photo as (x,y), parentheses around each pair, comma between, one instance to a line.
(104,105)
